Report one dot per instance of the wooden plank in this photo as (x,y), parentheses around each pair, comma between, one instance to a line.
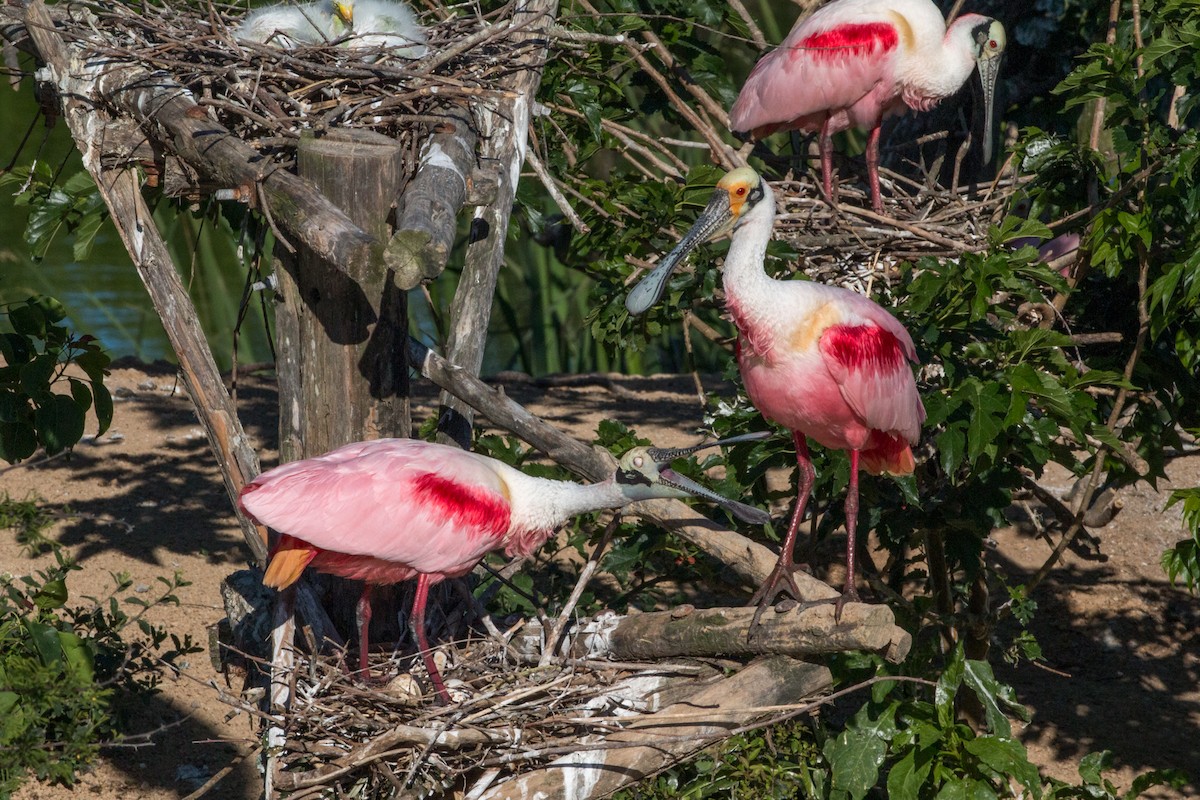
(658,740)
(504,132)
(686,632)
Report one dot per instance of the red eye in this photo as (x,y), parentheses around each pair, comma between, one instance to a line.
(741,191)
(992,44)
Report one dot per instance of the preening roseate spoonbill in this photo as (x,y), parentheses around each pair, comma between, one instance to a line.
(387,510)
(820,360)
(853,62)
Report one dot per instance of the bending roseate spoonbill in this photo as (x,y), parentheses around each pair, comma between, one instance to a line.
(387,510)
(823,361)
(853,62)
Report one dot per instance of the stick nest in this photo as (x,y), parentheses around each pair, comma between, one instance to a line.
(269,95)
(371,741)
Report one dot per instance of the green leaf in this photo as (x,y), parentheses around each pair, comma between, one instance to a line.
(1008,759)
(991,693)
(36,375)
(18,441)
(52,594)
(45,641)
(78,656)
(1093,764)
(59,423)
(855,757)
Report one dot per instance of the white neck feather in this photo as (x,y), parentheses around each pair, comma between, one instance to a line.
(539,504)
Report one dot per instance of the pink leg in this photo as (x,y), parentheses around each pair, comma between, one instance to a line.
(826,148)
(786,564)
(873,169)
(418,621)
(849,591)
(363,616)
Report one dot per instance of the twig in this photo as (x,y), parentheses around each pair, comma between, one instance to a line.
(554,637)
(560,200)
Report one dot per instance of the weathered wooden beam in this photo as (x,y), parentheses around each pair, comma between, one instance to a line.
(788,629)
(750,560)
(427,215)
(655,741)
(156,101)
(504,133)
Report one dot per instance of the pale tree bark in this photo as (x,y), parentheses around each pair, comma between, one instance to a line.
(504,134)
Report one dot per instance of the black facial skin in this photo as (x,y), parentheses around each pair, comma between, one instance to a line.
(631,477)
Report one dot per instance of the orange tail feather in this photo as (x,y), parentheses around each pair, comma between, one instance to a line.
(288,560)
(888,454)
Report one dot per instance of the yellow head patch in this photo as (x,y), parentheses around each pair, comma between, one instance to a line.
(740,184)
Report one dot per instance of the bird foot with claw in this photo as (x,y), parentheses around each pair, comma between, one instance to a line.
(780,581)
(849,595)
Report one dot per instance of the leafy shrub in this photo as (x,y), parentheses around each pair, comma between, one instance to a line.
(62,667)
(37,352)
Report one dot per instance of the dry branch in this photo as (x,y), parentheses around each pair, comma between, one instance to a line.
(427,215)
(504,134)
(799,630)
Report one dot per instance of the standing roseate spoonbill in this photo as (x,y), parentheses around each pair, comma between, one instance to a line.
(853,62)
(388,510)
(823,361)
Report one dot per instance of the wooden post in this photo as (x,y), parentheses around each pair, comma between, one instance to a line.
(504,132)
(343,373)
(341,336)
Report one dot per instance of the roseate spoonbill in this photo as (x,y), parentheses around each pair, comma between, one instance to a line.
(387,510)
(820,360)
(853,62)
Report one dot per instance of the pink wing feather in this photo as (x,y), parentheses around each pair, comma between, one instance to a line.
(433,508)
(870,363)
(825,67)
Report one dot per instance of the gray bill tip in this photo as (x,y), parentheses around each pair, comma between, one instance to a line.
(648,290)
(745,513)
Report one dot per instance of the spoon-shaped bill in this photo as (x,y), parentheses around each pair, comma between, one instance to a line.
(989,68)
(714,220)
(665,455)
(750,514)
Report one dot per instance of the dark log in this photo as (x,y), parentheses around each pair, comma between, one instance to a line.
(427,216)
(788,629)
(751,561)
(655,741)
(343,375)
(121,191)
(504,132)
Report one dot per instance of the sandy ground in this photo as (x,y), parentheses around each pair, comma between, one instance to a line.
(1122,646)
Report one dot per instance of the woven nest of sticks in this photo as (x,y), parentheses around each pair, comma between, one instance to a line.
(269,95)
(509,717)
